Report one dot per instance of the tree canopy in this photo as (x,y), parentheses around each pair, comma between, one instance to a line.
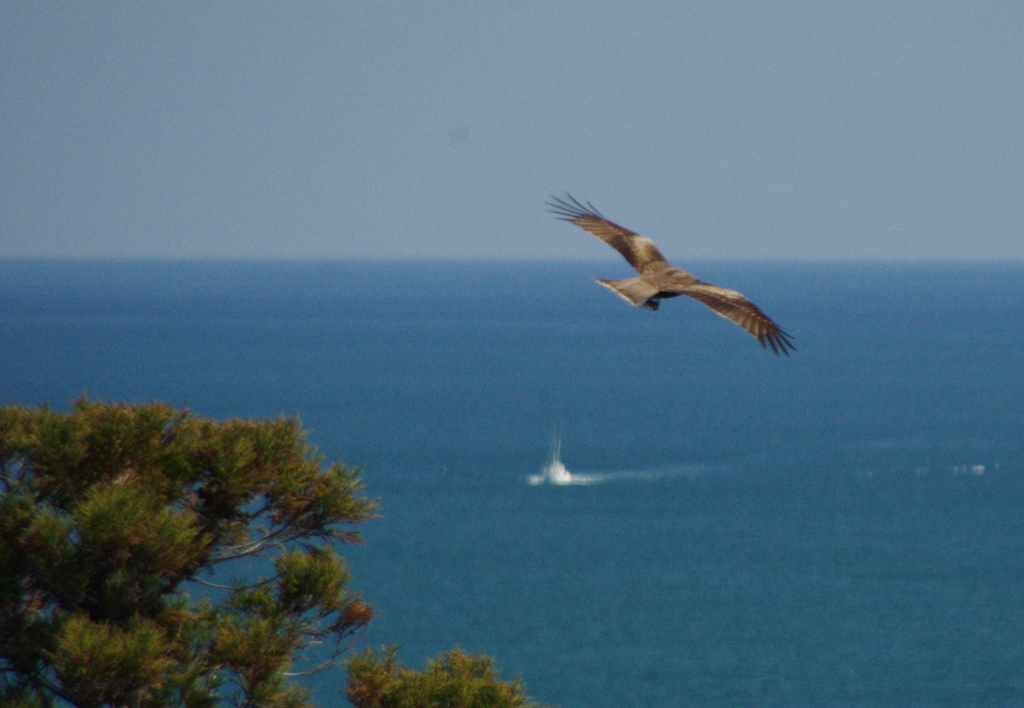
(111,515)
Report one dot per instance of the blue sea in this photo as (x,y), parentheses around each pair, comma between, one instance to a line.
(841,527)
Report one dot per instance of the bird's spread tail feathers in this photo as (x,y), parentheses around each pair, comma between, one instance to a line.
(633,290)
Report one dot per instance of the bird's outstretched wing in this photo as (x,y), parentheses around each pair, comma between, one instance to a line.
(638,250)
(734,306)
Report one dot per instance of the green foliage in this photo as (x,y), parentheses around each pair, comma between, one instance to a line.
(453,680)
(108,514)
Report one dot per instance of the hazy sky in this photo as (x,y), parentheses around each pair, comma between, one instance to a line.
(766,130)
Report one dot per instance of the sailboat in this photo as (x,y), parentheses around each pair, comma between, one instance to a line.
(555,472)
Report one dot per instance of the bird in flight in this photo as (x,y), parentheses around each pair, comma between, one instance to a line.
(659,280)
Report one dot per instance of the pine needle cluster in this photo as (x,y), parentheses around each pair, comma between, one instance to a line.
(453,680)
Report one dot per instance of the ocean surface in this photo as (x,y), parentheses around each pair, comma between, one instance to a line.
(841,527)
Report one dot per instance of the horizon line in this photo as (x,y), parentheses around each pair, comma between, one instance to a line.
(495,260)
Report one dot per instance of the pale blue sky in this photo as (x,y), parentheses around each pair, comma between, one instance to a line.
(782,130)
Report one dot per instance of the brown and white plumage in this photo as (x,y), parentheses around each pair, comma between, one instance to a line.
(659,280)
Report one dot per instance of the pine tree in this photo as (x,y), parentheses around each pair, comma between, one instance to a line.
(114,522)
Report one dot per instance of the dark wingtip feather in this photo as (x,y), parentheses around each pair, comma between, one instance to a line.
(779,340)
(572,209)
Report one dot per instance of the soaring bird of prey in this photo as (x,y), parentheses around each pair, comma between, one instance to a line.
(659,280)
